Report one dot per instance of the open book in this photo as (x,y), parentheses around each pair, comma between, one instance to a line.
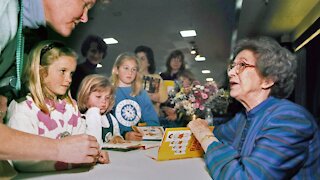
(131,145)
(177,143)
(150,133)
(127,146)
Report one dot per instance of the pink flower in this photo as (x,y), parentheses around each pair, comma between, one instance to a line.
(204,96)
(196,105)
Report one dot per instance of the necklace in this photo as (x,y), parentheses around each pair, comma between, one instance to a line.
(20,47)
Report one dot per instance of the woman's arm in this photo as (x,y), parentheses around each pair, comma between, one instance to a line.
(24,146)
(278,152)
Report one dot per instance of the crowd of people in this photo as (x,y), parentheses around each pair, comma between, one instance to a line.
(65,118)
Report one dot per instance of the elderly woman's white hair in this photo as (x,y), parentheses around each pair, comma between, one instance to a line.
(273,61)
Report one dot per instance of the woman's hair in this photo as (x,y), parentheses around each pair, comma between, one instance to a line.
(36,68)
(137,82)
(187,74)
(94,83)
(149,53)
(273,62)
(101,45)
(175,54)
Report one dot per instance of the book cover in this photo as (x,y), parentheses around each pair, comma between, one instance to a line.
(151,84)
(169,85)
(178,143)
(150,133)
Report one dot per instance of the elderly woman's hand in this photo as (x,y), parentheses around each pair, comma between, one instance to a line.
(201,131)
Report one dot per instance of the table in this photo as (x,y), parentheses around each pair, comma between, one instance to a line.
(132,165)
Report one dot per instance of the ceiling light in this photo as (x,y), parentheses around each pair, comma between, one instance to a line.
(209,79)
(110,41)
(188,33)
(200,58)
(239,4)
(193,51)
(206,71)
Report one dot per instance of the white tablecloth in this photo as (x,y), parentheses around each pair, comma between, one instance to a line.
(132,165)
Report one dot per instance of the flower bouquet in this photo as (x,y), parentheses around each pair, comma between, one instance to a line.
(195,99)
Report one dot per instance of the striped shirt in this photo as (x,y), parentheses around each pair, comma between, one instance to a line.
(276,140)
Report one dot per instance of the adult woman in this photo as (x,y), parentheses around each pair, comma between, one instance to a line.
(272,138)
(94,49)
(153,82)
(175,64)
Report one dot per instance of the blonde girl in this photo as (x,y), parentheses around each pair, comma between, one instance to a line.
(96,99)
(48,110)
(132,103)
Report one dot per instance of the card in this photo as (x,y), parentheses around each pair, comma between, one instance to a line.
(151,133)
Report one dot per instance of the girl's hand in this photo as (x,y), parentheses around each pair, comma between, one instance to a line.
(134,136)
(117,139)
(103,157)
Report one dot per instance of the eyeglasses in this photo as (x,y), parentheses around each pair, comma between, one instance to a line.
(239,67)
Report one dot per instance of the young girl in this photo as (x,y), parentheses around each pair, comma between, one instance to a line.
(96,99)
(132,104)
(48,110)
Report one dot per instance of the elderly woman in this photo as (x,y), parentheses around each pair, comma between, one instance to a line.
(272,138)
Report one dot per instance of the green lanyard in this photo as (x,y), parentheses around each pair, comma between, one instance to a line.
(20,48)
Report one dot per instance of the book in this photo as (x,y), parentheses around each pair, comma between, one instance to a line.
(177,143)
(151,84)
(131,145)
(127,146)
(169,85)
(150,133)
(149,144)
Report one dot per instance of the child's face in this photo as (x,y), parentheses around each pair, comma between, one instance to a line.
(185,81)
(100,99)
(59,75)
(127,72)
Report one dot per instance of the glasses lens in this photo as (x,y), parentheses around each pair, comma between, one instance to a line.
(230,66)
